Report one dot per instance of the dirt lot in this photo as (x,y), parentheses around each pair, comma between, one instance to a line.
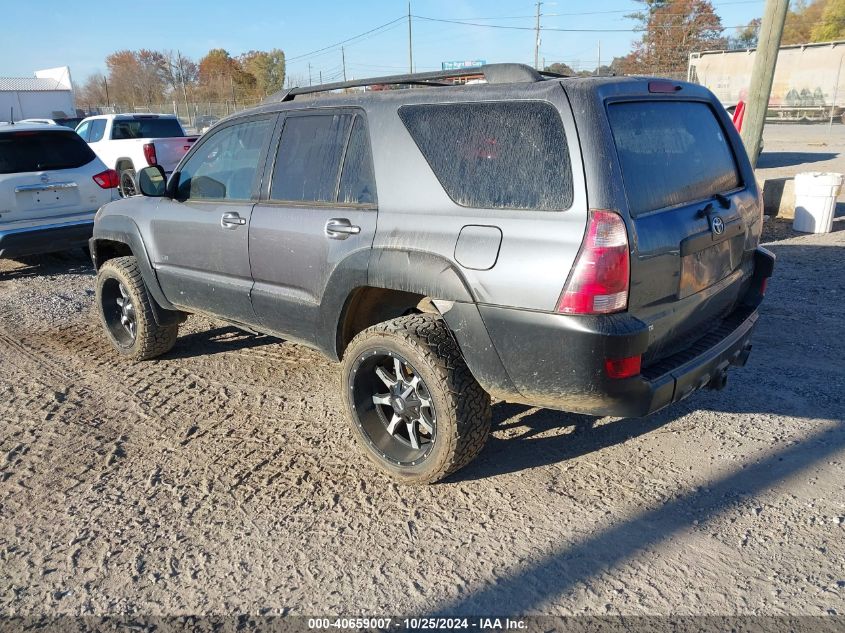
(222,478)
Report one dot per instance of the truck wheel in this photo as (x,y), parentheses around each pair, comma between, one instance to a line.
(414,407)
(128,184)
(126,312)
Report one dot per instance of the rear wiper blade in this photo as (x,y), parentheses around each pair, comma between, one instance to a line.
(723,201)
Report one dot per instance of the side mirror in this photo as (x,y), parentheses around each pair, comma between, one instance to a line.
(152,182)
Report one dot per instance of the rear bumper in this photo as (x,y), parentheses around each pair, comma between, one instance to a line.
(48,238)
(557,361)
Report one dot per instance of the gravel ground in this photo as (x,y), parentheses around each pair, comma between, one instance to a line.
(221,478)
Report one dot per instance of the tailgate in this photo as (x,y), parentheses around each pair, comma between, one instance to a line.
(694,221)
(169,151)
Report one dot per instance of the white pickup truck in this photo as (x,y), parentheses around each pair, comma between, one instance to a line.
(130,142)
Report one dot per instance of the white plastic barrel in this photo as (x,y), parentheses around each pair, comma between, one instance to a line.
(815,201)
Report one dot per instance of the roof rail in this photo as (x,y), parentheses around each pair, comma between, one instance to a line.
(493,73)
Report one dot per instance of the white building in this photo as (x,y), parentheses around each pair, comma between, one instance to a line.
(48,95)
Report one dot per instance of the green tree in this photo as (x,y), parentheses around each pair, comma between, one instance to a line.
(801,20)
(561,69)
(746,36)
(221,77)
(268,68)
(832,23)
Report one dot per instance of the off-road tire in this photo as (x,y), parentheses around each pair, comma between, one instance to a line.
(151,339)
(463,407)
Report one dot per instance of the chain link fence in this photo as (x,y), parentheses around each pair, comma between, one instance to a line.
(193,115)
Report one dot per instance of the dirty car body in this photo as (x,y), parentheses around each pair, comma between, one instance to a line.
(588,244)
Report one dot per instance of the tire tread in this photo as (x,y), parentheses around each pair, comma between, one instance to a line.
(430,337)
(152,339)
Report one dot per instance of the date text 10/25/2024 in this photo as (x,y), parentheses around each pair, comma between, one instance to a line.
(417,624)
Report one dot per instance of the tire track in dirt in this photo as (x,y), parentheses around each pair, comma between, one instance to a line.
(180,406)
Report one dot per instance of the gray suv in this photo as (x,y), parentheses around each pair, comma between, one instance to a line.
(586,244)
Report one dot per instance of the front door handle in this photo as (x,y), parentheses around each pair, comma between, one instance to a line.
(232,220)
(341,228)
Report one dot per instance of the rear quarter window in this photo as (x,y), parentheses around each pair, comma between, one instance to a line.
(27,151)
(498,155)
(671,152)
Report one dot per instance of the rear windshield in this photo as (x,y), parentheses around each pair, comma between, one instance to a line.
(145,128)
(41,150)
(671,152)
(507,155)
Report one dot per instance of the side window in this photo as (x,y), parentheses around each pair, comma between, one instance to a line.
(84,129)
(224,167)
(357,182)
(98,127)
(309,158)
(495,155)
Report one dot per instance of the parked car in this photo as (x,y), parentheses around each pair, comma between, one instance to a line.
(51,184)
(66,122)
(585,244)
(204,122)
(128,142)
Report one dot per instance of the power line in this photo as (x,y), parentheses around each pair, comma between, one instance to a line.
(579,13)
(346,41)
(560,30)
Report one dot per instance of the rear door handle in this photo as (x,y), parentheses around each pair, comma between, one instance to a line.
(232,220)
(341,228)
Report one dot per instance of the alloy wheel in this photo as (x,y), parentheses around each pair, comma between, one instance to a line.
(394,407)
(119,312)
(127,185)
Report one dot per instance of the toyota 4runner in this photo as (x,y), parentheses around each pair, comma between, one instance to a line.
(585,244)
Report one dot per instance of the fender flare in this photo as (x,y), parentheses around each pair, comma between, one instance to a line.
(122,229)
(416,272)
(419,272)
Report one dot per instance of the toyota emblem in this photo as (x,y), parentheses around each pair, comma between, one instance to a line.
(718,225)
(45,177)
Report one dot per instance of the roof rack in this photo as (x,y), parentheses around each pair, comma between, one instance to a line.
(493,73)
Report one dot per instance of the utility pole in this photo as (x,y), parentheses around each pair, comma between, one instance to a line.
(309,73)
(410,43)
(762,75)
(180,61)
(106,84)
(537,38)
(343,57)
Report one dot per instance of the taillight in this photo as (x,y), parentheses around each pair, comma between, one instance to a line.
(107,179)
(150,153)
(598,283)
(623,367)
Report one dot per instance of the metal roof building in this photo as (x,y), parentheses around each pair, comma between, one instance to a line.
(49,94)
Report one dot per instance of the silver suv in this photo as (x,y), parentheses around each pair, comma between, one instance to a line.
(51,184)
(583,244)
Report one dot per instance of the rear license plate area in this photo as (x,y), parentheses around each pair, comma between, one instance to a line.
(709,266)
(47,197)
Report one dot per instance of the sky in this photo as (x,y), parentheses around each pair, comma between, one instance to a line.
(60,34)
